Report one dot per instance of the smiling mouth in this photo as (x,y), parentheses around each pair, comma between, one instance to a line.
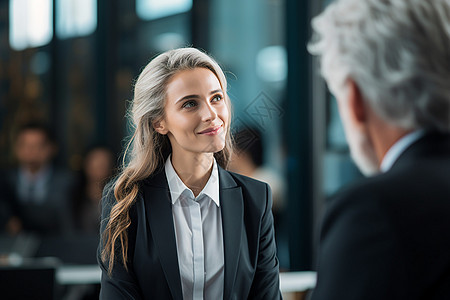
(212,131)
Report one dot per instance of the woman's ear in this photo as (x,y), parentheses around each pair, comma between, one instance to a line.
(160,127)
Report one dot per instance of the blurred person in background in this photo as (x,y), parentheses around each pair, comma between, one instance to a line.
(98,167)
(5,207)
(37,192)
(388,64)
(248,160)
(9,224)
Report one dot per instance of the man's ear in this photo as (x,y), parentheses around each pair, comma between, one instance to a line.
(357,106)
(160,127)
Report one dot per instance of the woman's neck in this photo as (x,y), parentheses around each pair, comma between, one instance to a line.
(194,169)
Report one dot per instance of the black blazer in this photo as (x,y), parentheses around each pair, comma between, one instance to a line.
(388,237)
(50,217)
(251,266)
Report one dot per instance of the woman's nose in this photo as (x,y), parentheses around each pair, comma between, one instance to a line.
(208,113)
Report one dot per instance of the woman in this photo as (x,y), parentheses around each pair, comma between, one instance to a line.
(176,224)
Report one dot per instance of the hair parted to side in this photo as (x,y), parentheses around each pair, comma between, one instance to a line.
(147,150)
(396,51)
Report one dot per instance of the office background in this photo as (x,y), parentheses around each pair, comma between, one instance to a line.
(72,63)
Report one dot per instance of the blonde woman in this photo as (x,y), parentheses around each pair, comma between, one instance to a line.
(175,223)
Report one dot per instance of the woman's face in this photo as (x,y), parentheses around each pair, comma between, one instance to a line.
(196,114)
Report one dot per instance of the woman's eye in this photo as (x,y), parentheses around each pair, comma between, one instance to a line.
(217,98)
(189,104)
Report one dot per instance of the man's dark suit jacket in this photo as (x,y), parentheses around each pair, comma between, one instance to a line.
(50,217)
(251,266)
(388,237)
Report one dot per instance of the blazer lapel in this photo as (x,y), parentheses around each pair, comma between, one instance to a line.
(159,216)
(232,208)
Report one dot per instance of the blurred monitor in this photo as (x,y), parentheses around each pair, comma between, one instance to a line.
(31,280)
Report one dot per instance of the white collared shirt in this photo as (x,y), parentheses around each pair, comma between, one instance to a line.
(398,148)
(33,188)
(199,236)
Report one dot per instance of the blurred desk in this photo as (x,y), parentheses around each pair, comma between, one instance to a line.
(70,249)
(77,264)
(73,249)
(85,274)
(91,274)
(297,281)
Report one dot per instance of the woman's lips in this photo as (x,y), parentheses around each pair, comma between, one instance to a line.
(211,131)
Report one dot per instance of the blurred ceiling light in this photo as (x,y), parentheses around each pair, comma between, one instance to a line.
(271,64)
(154,9)
(30,23)
(75,18)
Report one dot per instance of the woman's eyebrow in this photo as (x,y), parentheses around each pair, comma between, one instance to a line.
(216,91)
(197,96)
(188,97)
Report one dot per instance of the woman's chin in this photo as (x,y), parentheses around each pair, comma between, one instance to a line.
(213,148)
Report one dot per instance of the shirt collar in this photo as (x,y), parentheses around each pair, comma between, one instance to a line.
(177,187)
(398,148)
(39,176)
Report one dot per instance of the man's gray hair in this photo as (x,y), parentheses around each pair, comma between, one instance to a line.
(396,51)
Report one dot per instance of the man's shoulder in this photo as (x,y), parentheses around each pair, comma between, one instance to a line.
(62,174)
(362,190)
(8,175)
(404,181)
(401,195)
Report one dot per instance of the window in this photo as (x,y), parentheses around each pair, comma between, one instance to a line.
(30,23)
(75,18)
(154,9)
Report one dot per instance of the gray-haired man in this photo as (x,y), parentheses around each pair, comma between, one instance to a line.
(388,64)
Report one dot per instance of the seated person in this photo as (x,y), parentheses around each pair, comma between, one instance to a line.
(388,64)
(36,192)
(98,168)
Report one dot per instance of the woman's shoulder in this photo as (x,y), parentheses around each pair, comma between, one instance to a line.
(247,181)
(109,197)
(256,194)
(253,189)
(157,178)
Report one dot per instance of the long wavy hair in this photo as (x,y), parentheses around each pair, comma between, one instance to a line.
(147,150)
